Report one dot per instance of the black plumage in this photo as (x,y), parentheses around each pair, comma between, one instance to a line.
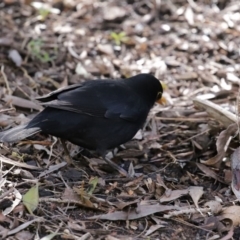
(98,114)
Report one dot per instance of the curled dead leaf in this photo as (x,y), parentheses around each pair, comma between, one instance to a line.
(195,193)
(222,144)
(232,213)
(215,111)
(235,165)
(215,206)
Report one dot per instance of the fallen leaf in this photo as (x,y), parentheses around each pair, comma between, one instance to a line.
(229,234)
(232,213)
(105,48)
(196,193)
(212,223)
(49,237)
(26,235)
(153,229)
(15,57)
(31,199)
(214,110)
(70,195)
(235,165)
(113,13)
(172,195)
(24,103)
(24,225)
(207,171)
(139,212)
(215,206)
(222,144)
(121,204)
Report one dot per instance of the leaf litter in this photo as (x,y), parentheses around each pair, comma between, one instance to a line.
(182,164)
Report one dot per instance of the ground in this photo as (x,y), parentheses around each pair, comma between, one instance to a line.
(182,183)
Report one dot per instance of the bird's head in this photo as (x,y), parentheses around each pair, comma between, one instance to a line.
(149,87)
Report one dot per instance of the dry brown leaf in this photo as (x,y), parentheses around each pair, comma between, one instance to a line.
(175,194)
(160,187)
(214,161)
(229,234)
(235,165)
(225,136)
(139,212)
(76,225)
(121,205)
(131,170)
(25,225)
(52,168)
(113,12)
(105,48)
(135,181)
(21,102)
(187,76)
(26,174)
(26,235)
(218,113)
(213,223)
(232,213)
(222,145)
(69,194)
(215,206)
(208,172)
(195,193)
(3,232)
(84,197)
(109,237)
(153,228)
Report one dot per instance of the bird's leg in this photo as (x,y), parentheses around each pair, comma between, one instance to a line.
(68,157)
(115,166)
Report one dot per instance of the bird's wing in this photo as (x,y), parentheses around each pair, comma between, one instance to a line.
(98,98)
(54,94)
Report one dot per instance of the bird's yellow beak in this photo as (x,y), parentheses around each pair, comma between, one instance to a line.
(162,101)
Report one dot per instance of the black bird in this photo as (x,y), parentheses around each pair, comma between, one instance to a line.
(97,114)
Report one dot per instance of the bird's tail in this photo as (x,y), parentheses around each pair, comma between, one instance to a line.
(18,133)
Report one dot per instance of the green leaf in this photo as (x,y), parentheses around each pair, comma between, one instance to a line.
(35,48)
(31,199)
(43,13)
(92,185)
(119,37)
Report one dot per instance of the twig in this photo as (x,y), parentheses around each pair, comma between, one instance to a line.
(7,110)
(140,234)
(199,134)
(67,201)
(6,80)
(187,211)
(183,119)
(191,225)
(18,164)
(34,85)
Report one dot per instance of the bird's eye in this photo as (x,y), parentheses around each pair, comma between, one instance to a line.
(159,95)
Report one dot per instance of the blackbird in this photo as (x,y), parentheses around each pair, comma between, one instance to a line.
(96,114)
